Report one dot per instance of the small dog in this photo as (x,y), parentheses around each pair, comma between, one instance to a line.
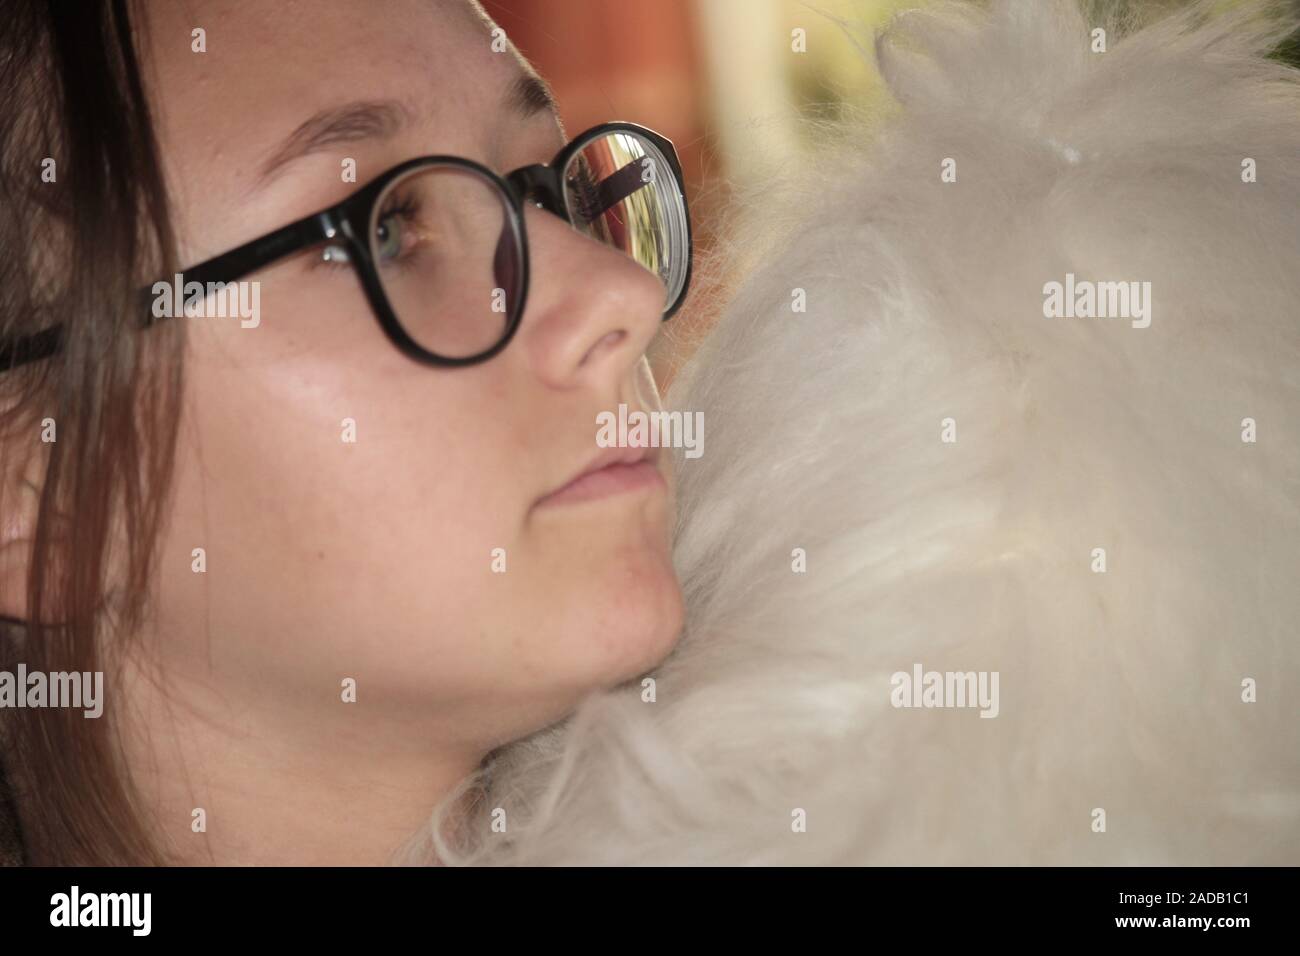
(992,557)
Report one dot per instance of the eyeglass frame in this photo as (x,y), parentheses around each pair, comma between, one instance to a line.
(538,182)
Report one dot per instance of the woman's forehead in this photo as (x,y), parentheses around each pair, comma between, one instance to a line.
(258,71)
(270,83)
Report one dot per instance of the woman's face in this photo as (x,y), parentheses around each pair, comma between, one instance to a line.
(373,560)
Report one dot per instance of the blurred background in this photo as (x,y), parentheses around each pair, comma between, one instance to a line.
(728,81)
(720,78)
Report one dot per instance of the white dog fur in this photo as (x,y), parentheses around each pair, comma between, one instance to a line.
(1120,691)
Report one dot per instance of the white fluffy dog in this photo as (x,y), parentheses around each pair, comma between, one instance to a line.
(1099,509)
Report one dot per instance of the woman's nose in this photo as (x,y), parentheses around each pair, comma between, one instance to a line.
(592,310)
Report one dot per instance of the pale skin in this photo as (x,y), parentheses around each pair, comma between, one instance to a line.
(372,560)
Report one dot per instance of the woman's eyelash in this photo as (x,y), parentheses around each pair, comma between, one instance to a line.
(335,255)
(404,206)
(588,190)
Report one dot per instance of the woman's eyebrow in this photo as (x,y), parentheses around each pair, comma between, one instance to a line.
(529,95)
(526,96)
(352,122)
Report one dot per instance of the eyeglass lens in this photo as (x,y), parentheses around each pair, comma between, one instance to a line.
(621,189)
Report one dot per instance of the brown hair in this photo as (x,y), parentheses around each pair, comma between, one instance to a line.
(75,252)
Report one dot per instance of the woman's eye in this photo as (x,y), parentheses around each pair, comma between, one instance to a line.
(394,239)
(388,237)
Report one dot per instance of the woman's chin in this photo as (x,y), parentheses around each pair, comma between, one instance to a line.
(633,621)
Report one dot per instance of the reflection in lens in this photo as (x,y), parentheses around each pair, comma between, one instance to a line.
(622,190)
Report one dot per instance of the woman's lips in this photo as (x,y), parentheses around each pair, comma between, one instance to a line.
(613,479)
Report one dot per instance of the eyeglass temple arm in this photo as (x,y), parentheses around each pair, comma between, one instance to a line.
(616,187)
(30,348)
(227,267)
(543,182)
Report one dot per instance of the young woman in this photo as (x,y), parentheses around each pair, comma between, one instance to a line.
(334,544)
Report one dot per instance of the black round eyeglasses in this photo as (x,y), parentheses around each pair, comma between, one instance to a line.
(439,243)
